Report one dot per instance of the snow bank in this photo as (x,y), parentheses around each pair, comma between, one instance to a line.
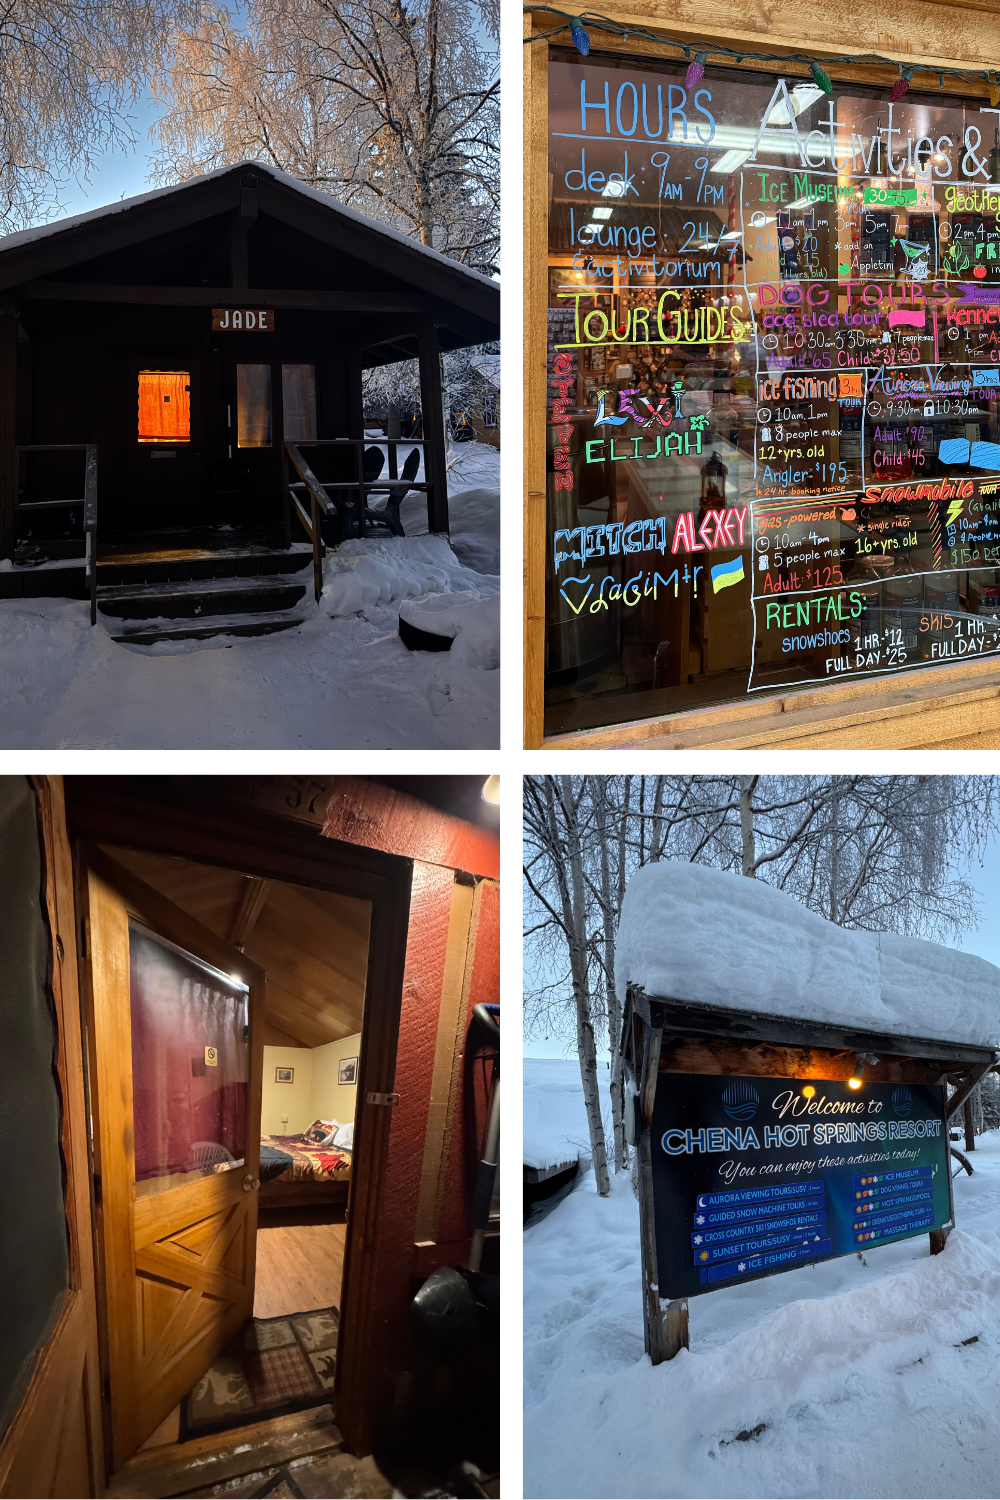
(689,932)
(555,1122)
(365,572)
(879,1378)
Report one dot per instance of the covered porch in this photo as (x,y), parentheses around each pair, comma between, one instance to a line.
(182,378)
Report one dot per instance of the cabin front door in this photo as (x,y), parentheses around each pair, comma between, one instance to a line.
(175,1023)
(163,444)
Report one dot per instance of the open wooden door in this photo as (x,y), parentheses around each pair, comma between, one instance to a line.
(176,1040)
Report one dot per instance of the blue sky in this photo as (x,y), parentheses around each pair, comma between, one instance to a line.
(117,174)
(985,941)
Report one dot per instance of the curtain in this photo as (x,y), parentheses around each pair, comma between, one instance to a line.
(188,1112)
(164,406)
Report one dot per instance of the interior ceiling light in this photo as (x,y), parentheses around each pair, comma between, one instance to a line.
(602,213)
(491,790)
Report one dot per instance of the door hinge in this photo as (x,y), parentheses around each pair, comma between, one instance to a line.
(389,1099)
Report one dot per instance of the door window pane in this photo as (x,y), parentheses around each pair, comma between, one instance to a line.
(190,1045)
(253,406)
(298,400)
(164,406)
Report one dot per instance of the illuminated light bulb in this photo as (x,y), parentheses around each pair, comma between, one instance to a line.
(901,85)
(580,36)
(696,70)
(854,1083)
(821,79)
(808,1091)
(491,790)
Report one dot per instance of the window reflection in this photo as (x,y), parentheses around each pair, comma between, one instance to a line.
(253,406)
(298,402)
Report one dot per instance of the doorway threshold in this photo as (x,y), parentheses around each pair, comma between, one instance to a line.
(237,1458)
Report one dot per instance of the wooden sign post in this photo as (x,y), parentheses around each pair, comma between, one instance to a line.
(774,1170)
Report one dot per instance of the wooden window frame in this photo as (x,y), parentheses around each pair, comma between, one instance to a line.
(956,708)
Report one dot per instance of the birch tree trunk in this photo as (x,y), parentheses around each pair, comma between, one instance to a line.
(575,918)
(747,784)
(610,916)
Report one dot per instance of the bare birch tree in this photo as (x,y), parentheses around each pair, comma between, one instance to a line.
(389,107)
(882,853)
(554,872)
(70,68)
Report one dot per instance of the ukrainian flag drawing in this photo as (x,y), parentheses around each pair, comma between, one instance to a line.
(724,574)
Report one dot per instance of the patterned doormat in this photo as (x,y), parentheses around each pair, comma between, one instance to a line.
(275,1366)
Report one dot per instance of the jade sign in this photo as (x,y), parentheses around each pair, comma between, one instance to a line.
(757,1175)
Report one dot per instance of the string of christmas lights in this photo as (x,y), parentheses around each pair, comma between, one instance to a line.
(580,37)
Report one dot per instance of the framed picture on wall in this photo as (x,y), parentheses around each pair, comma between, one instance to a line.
(284,1075)
(348,1070)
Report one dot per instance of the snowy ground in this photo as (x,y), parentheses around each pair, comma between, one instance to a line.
(341,680)
(870,1380)
(555,1124)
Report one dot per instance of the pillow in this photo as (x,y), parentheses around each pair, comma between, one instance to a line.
(319,1130)
(343,1138)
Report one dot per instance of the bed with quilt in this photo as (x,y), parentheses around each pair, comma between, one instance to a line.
(314,1167)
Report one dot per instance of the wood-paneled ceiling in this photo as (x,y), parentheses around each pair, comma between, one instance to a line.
(313,944)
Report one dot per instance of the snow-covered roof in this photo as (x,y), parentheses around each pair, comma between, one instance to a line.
(701,935)
(55,227)
(488,366)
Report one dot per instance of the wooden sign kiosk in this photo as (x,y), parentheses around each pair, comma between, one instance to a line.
(181,390)
(663,1035)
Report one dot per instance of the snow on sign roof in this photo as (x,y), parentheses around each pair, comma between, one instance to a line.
(688,932)
(60,226)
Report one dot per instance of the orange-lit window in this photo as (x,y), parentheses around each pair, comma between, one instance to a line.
(164,406)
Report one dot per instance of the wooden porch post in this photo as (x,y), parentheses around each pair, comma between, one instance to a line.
(355,398)
(8,426)
(433,419)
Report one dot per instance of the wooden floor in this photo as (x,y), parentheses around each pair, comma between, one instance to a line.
(299,1264)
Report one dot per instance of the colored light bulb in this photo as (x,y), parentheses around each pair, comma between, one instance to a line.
(820,78)
(580,36)
(901,85)
(696,70)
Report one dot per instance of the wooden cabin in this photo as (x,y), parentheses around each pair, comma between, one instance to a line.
(181,378)
(261,1137)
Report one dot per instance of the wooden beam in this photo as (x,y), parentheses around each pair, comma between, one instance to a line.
(254,899)
(965,1089)
(689,1017)
(432,412)
(224,296)
(239,250)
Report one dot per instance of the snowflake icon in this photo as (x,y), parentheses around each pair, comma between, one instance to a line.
(742,1266)
(700,1219)
(698,1238)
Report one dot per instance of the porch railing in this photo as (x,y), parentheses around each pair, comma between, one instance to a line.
(88,500)
(319,505)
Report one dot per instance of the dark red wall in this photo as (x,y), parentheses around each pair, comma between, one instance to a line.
(378,817)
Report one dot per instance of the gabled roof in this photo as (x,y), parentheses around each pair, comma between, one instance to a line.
(47,250)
